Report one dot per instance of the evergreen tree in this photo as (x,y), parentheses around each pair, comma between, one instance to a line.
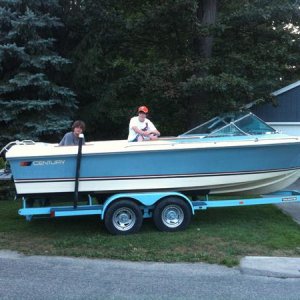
(33,103)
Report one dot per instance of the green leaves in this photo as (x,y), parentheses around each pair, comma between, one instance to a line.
(152,52)
(163,54)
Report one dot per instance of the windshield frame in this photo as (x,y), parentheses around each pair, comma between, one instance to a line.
(246,124)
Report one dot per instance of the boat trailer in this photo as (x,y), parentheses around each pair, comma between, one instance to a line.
(171,211)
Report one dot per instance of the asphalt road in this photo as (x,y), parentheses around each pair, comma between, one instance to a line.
(42,277)
(292,209)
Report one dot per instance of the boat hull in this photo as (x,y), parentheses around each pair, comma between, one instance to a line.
(244,167)
(229,184)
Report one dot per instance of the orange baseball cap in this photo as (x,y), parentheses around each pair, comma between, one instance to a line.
(143,109)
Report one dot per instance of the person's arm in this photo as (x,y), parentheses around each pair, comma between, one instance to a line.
(152,129)
(62,142)
(139,131)
(155,131)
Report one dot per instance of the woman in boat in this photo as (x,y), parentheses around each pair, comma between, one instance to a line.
(141,128)
(72,138)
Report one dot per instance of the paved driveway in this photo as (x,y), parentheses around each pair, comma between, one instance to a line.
(292,209)
(44,277)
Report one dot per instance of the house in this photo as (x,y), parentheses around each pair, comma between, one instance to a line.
(284,113)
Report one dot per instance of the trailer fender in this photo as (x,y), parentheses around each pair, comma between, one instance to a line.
(144,199)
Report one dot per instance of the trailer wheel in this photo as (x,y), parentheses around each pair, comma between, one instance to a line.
(123,217)
(172,214)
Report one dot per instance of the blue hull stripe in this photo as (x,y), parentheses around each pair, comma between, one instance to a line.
(153,176)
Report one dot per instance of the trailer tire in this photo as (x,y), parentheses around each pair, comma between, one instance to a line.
(123,217)
(172,214)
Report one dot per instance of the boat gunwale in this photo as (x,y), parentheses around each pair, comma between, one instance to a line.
(168,147)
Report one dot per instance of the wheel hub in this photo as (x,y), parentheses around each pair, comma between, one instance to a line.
(124,219)
(172,216)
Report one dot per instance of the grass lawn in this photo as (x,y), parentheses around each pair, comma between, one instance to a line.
(217,235)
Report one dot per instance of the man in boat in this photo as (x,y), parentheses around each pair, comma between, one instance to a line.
(141,128)
(72,138)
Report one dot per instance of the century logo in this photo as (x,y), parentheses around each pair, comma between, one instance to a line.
(47,162)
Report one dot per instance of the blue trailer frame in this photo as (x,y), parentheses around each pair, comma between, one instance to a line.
(171,211)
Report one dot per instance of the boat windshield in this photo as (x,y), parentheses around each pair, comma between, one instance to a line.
(234,124)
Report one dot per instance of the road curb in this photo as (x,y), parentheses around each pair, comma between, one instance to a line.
(280,267)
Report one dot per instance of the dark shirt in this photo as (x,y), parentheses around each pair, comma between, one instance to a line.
(70,139)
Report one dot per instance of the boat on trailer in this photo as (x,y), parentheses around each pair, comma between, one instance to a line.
(236,153)
(231,154)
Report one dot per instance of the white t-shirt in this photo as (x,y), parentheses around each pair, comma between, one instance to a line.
(146,125)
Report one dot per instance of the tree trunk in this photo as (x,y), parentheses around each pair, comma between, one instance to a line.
(207,11)
(206,14)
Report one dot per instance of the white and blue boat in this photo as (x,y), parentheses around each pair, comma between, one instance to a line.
(231,154)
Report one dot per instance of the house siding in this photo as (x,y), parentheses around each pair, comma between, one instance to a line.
(286,110)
